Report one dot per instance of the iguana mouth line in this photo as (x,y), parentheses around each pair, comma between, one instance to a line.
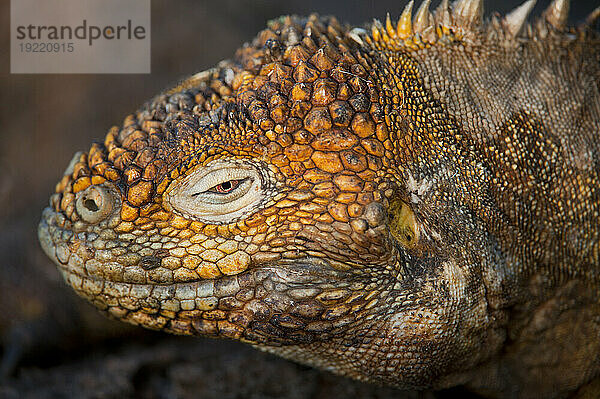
(306,270)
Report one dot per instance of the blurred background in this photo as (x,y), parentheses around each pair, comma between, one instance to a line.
(53,344)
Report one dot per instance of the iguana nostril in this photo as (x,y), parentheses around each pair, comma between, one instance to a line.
(90,204)
(94,204)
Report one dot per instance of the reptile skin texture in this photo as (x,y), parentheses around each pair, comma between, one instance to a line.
(411,203)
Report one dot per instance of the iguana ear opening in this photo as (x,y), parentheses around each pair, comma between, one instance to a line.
(403,224)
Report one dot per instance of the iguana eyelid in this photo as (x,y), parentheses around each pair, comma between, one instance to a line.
(235,184)
(212,197)
(192,197)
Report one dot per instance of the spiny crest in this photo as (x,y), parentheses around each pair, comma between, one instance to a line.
(514,20)
(464,19)
(557,14)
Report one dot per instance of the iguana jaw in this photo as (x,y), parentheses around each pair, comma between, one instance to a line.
(289,301)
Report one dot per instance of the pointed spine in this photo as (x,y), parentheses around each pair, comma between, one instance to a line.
(389,27)
(377,31)
(442,16)
(592,18)
(423,17)
(514,21)
(404,26)
(557,13)
(355,34)
(470,12)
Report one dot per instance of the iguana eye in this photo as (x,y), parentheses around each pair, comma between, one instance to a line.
(225,192)
(225,187)
(219,192)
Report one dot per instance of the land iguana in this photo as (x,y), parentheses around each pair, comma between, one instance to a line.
(413,204)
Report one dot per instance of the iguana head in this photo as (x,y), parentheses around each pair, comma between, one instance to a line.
(291,198)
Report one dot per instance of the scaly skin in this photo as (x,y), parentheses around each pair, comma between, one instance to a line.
(420,203)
